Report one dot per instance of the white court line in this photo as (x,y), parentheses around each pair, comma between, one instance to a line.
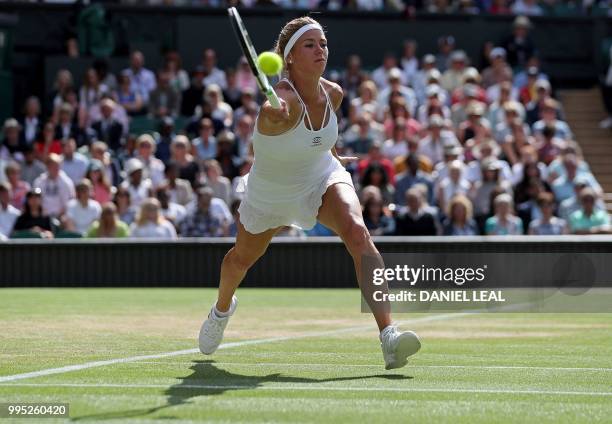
(95,364)
(313,386)
(412,366)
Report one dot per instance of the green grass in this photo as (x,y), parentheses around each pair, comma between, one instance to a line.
(478,368)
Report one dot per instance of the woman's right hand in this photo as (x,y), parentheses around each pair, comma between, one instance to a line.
(277,115)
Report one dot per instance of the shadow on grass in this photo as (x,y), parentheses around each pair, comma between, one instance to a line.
(208,380)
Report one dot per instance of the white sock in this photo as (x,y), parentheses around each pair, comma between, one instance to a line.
(220,314)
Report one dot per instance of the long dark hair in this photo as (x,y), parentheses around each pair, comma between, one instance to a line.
(367,176)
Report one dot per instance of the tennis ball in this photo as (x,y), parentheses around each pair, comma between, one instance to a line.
(270,63)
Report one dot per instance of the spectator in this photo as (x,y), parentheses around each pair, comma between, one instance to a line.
(486,149)
(138,186)
(245,79)
(548,114)
(413,219)
(74,164)
(104,75)
(376,175)
(172,211)
(504,222)
(179,190)
(33,219)
(56,187)
(398,144)
(380,75)
(19,188)
(101,187)
(406,180)
(244,131)
(193,95)
(589,219)
(179,79)
(549,146)
(519,45)
(527,91)
(409,61)
(563,186)
(205,146)
(202,221)
(453,77)
(244,169)
(360,136)
(62,86)
(547,224)
(395,86)
(446,44)
(397,109)
(376,220)
(434,104)
(226,158)
(220,110)
(522,78)
(151,223)
(499,70)
(164,139)
(8,213)
(188,167)
(31,124)
(82,211)
(248,106)
(128,96)
(367,101)
(212,74)
(459,221)
(455,183)
(221,186)
(141,78)
(91,93)
(481,191)
(153,167)
(67,127)
(31,167)
(110,167)
(47,143)
(352,77)
(232,94)
(108,129)
(375,156)
(572,204)
(499,7)
(125,211)
(165,99)
(432,145)
(512,134)
(12,142)
(109,225)
(467,129)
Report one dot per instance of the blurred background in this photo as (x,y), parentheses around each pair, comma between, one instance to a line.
(134,118)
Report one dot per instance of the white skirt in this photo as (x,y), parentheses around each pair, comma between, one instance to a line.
(260,213)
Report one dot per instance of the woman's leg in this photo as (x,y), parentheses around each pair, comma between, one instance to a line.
(248,248)
(341,212)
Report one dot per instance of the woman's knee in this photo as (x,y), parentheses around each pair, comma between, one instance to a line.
(356,237)
(242,259)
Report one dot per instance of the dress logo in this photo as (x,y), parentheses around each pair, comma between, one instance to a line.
(316,141)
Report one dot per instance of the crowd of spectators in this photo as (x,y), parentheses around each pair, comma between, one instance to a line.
(442,147)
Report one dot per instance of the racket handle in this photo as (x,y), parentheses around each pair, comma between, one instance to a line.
(273,98)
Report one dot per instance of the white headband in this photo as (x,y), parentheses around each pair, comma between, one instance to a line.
(297,34)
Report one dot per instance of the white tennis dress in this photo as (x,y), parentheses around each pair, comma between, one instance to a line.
(290,174)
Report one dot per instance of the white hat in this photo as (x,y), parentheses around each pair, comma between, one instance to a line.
(133,165)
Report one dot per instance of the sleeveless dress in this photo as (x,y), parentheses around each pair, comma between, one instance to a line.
(290,174)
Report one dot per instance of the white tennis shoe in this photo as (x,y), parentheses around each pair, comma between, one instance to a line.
(212,329)
(397,346)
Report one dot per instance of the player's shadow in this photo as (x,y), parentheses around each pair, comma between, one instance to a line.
(208,380)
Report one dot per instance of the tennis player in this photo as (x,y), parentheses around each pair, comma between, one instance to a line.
(298,178)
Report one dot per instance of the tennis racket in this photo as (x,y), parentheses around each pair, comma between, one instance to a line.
(251,55)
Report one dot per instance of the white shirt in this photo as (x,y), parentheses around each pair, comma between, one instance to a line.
(138,194)
(8,217)
(55,192)
(75,168)
(153,170)
(175,212)
(216,76)
(83,217)
(392,149)
(163,230)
